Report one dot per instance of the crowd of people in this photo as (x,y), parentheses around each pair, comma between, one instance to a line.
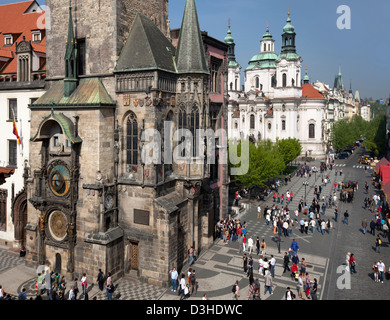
(51,285)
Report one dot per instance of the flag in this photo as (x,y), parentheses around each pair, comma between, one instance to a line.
(15,130)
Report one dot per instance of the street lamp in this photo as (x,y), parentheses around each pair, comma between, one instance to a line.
(305,183)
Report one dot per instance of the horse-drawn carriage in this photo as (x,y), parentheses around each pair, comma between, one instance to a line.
(347,191)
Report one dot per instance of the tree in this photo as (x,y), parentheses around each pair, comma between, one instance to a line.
(265,162)
(289,148)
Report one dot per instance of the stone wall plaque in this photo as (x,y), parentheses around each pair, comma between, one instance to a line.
(141,217)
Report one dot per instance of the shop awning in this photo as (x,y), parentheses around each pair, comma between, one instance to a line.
(382,162)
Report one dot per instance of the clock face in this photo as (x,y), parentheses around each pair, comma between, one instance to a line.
(109,201)
(59,178)
(58,225)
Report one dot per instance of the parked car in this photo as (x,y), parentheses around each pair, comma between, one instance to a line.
(342,155)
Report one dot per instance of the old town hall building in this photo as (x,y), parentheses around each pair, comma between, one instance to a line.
(94,202)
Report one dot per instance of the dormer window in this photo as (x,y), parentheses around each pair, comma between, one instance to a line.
(36,36)
(8,40)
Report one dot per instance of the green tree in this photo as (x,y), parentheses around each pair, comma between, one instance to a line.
(289,148)
(265,161)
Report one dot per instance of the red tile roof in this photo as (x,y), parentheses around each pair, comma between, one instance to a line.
(308,91)
(16,20)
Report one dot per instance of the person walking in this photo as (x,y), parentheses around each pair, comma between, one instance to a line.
(257,245)
(22,295)
(336,214)
(100,279)
(84,284)
(109,290)
(244,263)
(375,270)
(272,264)
(268,283)
(352,264)
(174,276)
(378,244)
(48,285)
(263,247)
(193,286)
(372,227)
(381,270)
(250,245)
(313,290)
(191,253)
(364,225)
(286,261)
(346,215)
(75,288)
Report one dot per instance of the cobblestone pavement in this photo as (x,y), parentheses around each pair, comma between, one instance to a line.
(220,266)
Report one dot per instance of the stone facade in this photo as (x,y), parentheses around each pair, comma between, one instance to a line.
(122,214)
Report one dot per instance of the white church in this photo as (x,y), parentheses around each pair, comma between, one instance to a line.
(275,102)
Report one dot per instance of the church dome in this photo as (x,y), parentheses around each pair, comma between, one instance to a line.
(288,28)
(229,39)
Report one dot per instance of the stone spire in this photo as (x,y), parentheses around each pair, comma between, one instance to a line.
(70,81)
(190,51)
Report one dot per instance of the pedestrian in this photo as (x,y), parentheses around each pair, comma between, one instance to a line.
(174,276)
(261,265)
(48,283)
(268,283)
(364,225)
(381,270)
(258,212)
(244,262)
(250,245)
(236,290)
(286,261)
(303,266)
(71,293)
(75,288)
(352,264)
(336,213)
(372,227)
(84,283)
(263,247)
(250,267)
(307,285)
(378,244)
(313,289)
(257,245)
(346,215)
(244,242)
(109,290)
(193,283)
(100,279)
(62,287)
(294,247)
(272,264)
(300,286)
(182,285)
(22,295)
(191,253)
(289,295)
(375,270)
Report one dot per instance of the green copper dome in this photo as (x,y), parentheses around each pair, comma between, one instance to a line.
(288,28)
(229,39)
(267,35)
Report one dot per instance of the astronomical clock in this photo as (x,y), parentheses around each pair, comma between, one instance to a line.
(56,191)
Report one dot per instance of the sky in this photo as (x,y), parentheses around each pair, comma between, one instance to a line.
(361,51)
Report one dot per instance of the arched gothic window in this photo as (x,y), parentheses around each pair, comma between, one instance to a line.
(194,126)
(132,142)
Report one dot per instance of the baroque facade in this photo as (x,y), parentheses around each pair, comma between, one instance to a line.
(95,202)
(275,103)
(22,74)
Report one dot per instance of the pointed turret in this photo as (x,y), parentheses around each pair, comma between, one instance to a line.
(70,81)
(190,51)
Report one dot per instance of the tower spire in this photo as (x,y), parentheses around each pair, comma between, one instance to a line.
(190,51)
(70,81)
